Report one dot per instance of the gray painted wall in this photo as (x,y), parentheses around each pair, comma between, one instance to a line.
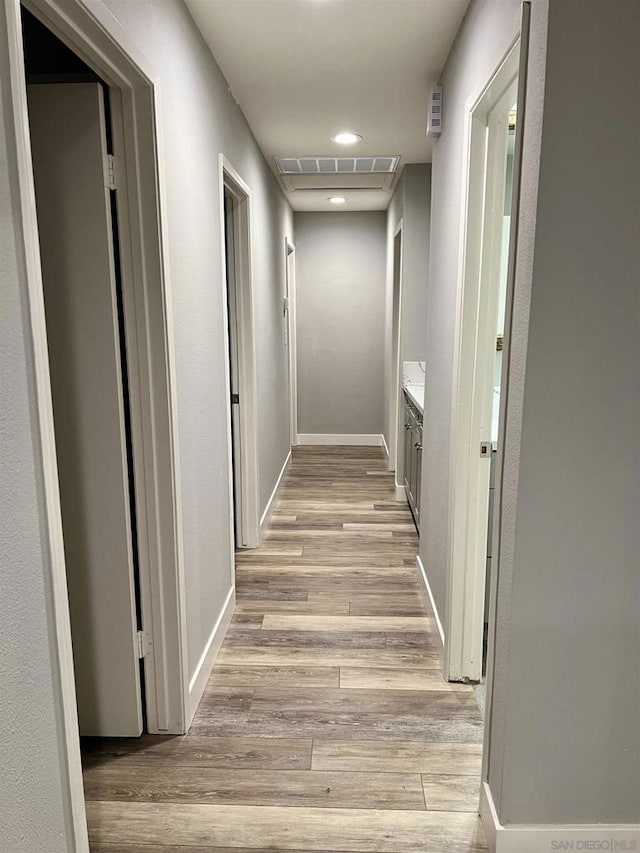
(486,34)
(411,202)
(341,263)
(33,814)
(415,261)
(199,119)
(565,736)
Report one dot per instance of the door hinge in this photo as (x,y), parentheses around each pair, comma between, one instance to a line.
(285,306)
(235,399)
(112,172)
(485,449)
(143,642)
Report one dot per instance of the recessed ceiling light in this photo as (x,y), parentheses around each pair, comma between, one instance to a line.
(337,199)
(347,138)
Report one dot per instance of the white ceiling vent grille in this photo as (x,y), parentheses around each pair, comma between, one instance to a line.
(336,165)
(337,173)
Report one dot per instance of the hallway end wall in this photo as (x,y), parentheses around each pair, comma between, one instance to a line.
(341,261)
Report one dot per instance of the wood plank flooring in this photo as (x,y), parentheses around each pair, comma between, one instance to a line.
(326,725)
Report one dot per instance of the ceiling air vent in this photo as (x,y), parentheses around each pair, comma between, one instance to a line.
(355,173)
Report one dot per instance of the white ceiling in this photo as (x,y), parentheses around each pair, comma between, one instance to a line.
(304,70)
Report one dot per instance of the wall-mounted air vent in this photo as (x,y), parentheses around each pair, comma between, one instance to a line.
(333,173)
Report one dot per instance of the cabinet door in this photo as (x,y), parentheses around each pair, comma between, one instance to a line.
(414,464)
(418,474)
(407,447)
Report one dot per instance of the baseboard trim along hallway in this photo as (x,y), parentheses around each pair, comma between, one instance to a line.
(326,724)
(432,601)
(266,515)
(516,838)
(207,660)
(345,439)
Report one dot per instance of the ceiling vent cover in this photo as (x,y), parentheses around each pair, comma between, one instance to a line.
(336,165)
(337,173)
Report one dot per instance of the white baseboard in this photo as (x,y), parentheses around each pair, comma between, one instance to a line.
(401,493)
(208,658)
(386,447)
(351,439)
(425,583)
(540,838)
(266,515)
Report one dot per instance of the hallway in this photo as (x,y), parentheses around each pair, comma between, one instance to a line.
(326,724)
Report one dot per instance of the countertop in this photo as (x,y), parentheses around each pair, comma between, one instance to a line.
(416,394)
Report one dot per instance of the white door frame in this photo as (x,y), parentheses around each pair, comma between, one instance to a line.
(396,363)
(231,180)
(290,308)
(481,238)
(89,29)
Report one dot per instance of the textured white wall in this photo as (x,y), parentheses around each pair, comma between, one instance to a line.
(341,260)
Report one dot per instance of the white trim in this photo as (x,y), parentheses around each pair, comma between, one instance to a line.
(401,493)
(331,438)
(385,446)
(536,838)
(230,178)
(290,272)
(44,445)
(469,473)
(266,515)
(396,368)
(89,29)
(427,587)
(488,816)
(202,672)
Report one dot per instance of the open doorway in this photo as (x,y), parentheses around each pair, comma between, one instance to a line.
(72,128)
(94,259)
(476,435)
(241,357)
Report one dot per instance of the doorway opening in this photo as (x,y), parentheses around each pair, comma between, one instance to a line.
(73,123)
(395,427)
(95,275)
(487,245)
(235,206)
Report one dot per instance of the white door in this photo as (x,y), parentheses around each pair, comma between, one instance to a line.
(68,139)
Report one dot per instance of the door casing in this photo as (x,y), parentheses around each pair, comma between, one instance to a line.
(231,180)
(396,439)
(290,309)
(88,28)
(473,364)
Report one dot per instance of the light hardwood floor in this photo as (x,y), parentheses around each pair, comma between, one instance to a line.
(326,725)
